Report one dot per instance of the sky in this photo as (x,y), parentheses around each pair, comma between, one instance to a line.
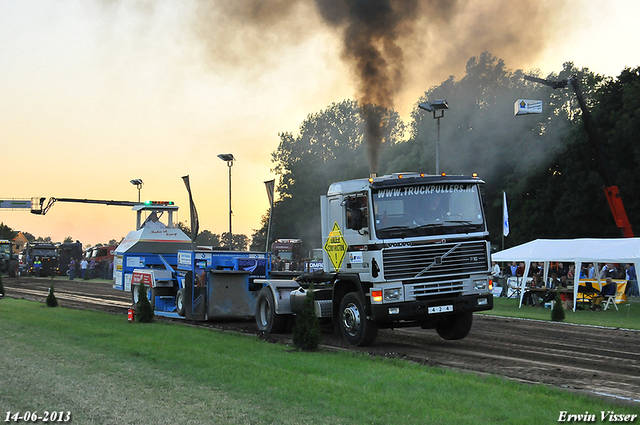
(94,94)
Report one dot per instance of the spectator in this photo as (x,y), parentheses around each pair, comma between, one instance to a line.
(72,269)
(513,268)
(37,265)
(610,288)
(83,267)
(495,271)
(603,271)
(632,281)
(92,269)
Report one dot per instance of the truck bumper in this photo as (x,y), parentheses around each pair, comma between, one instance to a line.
(420,310)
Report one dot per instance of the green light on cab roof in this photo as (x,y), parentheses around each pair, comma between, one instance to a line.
(158,202)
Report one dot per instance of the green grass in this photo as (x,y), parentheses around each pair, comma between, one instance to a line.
(627,316)
(105,370)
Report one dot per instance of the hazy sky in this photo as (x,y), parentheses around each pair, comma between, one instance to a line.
(94,94)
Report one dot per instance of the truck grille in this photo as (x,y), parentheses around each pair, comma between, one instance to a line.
(436,262)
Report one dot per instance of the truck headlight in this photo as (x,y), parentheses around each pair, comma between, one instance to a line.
(392,294)
(480,285)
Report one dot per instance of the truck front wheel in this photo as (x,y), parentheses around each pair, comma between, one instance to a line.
(356,329)
(266,318)
(455,327)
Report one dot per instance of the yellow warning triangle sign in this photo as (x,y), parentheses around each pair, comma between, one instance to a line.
(336,247)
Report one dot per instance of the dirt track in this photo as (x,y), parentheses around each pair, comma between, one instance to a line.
(600,361)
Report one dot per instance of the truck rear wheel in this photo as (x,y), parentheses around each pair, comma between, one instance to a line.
(356,329)
(266,318)
(455,327)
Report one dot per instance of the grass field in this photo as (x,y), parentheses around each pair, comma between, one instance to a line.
(627,316)
(105,370)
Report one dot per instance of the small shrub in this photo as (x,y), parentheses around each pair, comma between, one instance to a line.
(52,301)
(557,312)
(1,287)
(306,332)
(144,312)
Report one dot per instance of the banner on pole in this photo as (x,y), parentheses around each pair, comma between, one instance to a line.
(270,186)
(192,209)
(505,217)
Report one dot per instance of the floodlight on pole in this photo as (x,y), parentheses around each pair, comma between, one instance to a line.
(228,158)
(437,107)
(138,184)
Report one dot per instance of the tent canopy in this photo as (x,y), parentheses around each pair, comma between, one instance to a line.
(620,250)
(574,251)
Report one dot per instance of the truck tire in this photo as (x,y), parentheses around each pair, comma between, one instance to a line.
(455,327)
(134,296)
(180,302)
(13,268)
(267,319)
(356,329)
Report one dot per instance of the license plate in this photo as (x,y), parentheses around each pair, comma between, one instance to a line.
(440,309)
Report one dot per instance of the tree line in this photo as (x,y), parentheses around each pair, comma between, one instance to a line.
(544,162)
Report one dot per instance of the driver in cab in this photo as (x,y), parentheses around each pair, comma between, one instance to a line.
(432,210)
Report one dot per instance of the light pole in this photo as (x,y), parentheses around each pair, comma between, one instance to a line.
(138,184)
(228,158)
(437,107)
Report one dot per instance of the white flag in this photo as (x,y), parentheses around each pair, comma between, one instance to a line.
(505,217)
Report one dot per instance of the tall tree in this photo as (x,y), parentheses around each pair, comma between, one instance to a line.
(7,232)
(206,238)
(239,242)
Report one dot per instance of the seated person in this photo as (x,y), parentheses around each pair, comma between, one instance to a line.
(554,282)
(610,288)
(530,297)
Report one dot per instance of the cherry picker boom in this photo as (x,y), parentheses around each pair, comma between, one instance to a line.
(38,206)
(610,189)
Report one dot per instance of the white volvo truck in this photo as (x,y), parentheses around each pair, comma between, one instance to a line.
(399,250)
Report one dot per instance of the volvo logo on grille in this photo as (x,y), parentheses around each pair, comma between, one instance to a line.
(438,261)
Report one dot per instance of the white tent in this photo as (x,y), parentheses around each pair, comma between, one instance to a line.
(577,251)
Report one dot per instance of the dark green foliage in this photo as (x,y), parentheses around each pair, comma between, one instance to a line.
(544,162)
(557,312)
(7,232)
(52,301)
(1,286)
(144,311)
(306,332)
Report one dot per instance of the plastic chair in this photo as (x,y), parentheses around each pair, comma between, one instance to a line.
(609,300)
(612,298)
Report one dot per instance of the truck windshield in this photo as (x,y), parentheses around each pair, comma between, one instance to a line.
(44,252)
(429,209)
(5,248)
